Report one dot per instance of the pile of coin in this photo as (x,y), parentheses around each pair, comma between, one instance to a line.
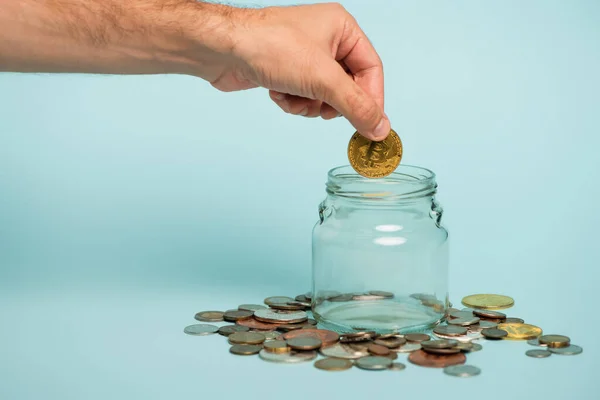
(282,331)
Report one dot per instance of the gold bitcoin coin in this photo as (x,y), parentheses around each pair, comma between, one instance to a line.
(520,331)
(488,301)
(373,159)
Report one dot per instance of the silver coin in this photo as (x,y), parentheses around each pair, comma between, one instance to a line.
(341,350)
(462,371)
(463,321)
(469,337)
(538,353)
(367,297)
(288,358)
(373,363)
(487,324)
(251,307)
(476,347)
(407,348)
(270,335)
(570,350)
(536,342)
(268,315)
(397,366)
(201,329)
(277,299)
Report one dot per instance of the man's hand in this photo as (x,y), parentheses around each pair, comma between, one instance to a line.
(314,59)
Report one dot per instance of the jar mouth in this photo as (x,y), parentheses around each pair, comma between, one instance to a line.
(406,182)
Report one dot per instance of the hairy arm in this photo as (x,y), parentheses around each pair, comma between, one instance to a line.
(314,59)
(113,36)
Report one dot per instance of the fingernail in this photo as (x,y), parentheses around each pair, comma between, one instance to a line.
(304,112)
(381,129)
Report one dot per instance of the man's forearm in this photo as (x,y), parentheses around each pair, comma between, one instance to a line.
(113,36)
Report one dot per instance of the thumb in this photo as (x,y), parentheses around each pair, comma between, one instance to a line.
(343,94)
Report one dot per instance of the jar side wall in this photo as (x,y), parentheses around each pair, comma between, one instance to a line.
(400,251)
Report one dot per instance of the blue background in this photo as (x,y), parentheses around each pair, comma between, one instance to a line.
(127,204)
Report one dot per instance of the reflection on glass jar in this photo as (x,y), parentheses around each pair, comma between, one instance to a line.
(380,253)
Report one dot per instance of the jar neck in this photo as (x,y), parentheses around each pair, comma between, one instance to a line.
(408,186)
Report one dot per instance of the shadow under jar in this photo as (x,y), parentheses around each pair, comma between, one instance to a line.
(380,253)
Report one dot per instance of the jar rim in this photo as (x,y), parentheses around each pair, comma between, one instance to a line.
(407,181)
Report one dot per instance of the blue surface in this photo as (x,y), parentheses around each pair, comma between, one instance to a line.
(127,204)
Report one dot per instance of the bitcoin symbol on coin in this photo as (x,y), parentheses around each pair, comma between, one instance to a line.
(375,159)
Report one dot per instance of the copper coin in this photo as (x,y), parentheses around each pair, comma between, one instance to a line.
(305,305)
(434,350)
(209,316)
(424,359)
(416,337)
(494,333)
(439,344)
(255,324)
(276,346)
(555,341)
(245,349)
(397,366)
(229,329)
(236,315)
(378,350)
(381,293)
(489,314)
(277,300)
(513,320)
(333,364)
(392,356)
(246,338)
(450,330)
(326,337)
(463,321)
(390,343)
(538,353)
(251,307)
(373,363)
(311,321)
(367,297)
(287,306)
(304,343)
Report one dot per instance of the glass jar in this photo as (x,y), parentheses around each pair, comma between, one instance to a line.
(380,253)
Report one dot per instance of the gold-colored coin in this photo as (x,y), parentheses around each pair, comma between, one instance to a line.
(488,301)
(520,331)
(373,159)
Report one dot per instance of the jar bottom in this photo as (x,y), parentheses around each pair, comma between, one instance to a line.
(381,316)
